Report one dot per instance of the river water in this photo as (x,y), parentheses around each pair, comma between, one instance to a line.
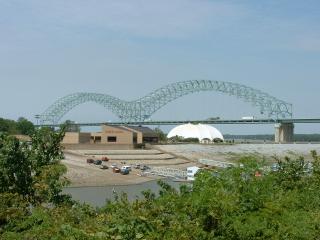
(97,196)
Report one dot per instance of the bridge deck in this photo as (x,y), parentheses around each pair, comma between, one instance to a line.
(217,121)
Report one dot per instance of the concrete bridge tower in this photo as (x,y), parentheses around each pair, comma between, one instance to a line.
(284,132)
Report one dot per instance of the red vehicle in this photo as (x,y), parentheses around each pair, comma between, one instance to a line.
(90,160)
(257,174)
(116,170)
(105,159)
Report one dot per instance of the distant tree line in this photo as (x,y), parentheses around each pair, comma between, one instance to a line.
(71,126)
(25,127)
(161,135)
(179,139)
(21,126)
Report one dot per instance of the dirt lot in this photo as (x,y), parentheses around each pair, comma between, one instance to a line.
(80,173)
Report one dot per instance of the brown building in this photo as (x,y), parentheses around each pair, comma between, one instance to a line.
(124,135)
(113,135)
(117,135)
(144,134)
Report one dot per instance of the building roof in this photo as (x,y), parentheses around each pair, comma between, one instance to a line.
(200,131)
(148,132)
(144,130)
(118,127)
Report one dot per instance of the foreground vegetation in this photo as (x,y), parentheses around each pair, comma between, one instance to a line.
(234,203)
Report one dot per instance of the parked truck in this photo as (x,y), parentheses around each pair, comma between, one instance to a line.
(248,118)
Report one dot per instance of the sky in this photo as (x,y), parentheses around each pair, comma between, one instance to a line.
(125,48)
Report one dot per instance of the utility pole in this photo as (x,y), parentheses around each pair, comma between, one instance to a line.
(37,116)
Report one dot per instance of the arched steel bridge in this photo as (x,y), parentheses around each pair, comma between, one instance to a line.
(142,109)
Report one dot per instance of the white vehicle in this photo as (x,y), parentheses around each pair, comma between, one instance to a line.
(126,168)
(248,118)
(191,171)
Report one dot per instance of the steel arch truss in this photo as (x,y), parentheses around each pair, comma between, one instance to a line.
(143,108)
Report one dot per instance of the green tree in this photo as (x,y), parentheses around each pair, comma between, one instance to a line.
(8,126)
(33,171)
(29,175)
(46,153)
(15,166)
(46,147)
(161,135)
(70,126)
(24,126)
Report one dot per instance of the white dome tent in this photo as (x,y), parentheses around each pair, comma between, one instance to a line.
(204,133)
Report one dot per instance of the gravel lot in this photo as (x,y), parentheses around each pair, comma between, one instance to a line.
(80,173)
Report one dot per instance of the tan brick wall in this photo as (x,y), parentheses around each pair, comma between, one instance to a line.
(71,138)
(123,136)
(75,138)
(98,146)
(139,134)
(84,137)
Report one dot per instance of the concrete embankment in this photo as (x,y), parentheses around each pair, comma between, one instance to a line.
(194,152)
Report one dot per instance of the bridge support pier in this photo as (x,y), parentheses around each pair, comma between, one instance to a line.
(284,132)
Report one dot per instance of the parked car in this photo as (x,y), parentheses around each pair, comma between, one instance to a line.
(126,167)
(104,167)
(105,159)
(308,167)
(275,167)
(124,171)
(137,166)
(144,167)
(116,170)
(113,165)
(90,160)
(97,162)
